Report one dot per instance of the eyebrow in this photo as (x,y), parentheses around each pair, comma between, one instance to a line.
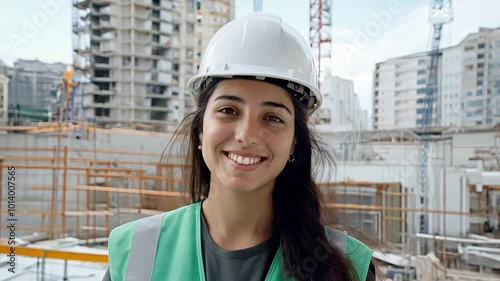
(265,103)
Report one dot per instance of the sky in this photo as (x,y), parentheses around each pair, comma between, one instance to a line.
(364,32)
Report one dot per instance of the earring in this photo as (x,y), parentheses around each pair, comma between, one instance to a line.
(291,158)
(199,147)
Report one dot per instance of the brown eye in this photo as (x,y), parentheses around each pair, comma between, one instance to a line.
(227,110)
(274,119)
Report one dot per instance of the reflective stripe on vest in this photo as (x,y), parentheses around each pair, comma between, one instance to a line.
(143,250)
(145,242)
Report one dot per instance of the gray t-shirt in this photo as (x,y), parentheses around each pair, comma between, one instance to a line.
(251,264)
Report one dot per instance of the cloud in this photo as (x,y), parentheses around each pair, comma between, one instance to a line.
(356,51)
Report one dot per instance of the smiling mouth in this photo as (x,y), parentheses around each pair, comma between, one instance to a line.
(243,160)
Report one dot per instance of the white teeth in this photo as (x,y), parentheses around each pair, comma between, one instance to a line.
(243,160)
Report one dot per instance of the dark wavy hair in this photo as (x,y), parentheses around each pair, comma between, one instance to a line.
(297,200)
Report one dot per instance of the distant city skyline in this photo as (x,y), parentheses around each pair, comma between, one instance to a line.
(381,29)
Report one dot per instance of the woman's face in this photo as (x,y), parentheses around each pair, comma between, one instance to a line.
(247,135)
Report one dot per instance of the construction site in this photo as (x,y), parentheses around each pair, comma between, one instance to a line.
(425,199)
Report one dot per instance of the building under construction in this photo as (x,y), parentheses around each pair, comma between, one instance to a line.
(138,56)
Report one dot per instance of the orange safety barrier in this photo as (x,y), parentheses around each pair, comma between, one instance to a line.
(55,254)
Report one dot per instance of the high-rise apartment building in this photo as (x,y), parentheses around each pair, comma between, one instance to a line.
(450,87)
(139,55)
(399,90)
(34,83)
(341,109)
(468,78)
(469,85)
(480,79)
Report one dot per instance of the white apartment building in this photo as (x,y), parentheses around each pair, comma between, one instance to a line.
(399,91)
(451,87)
(139,55)
(341,109)
(469,85)
(481,77)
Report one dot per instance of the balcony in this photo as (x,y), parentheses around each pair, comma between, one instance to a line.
(81,4)
(107,47)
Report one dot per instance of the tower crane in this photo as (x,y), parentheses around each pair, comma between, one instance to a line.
(320,26)
(440,13)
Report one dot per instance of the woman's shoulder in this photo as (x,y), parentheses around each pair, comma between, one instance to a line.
(344,241)
(358,252)
(129,228)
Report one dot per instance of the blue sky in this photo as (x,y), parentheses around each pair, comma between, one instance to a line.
(28,32)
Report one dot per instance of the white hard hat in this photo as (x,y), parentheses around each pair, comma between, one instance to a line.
(261,46)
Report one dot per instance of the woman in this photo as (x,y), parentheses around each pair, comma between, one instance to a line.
(256,212)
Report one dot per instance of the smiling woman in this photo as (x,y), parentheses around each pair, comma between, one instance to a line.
(256,211)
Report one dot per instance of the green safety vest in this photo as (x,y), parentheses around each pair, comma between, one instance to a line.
(168,247)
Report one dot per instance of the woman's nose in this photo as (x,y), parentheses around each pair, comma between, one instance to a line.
(249,132)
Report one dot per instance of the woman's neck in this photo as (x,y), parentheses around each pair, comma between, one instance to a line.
(238,220)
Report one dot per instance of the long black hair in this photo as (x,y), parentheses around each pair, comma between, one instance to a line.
(297,201)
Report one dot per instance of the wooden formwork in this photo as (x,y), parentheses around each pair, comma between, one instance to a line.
(93,182)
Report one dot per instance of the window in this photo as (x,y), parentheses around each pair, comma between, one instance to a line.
(421,91)
(480,56)
(421,62)
(475,103)
(156,26)
(479,92)
(155,13)
(398,84)
(468,49)
(468,94)
(481,46)
(469,67)
(420,81)
(421,71)
(190,28)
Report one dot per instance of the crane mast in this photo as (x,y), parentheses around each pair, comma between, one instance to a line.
(440,12)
